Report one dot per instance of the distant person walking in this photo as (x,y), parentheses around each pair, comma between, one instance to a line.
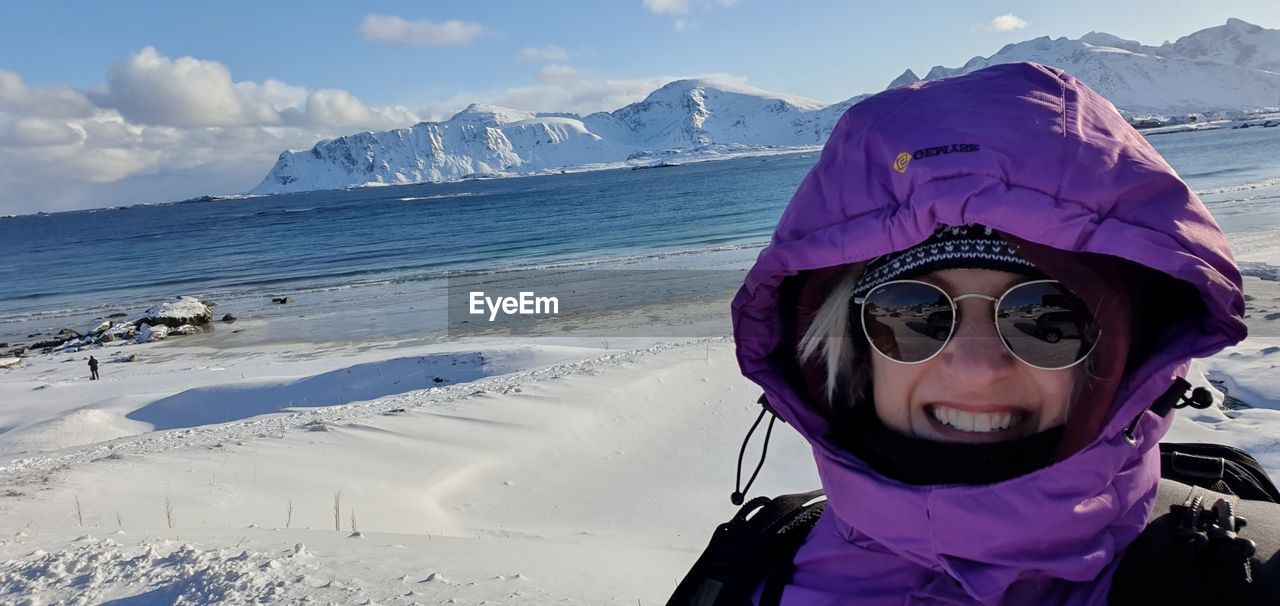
(93,368)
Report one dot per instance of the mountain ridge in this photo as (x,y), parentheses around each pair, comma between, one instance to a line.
(1234,67)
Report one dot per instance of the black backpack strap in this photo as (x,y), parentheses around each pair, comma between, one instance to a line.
(763,537)
(1202,547)
(793,535)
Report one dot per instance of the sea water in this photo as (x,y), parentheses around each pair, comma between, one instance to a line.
(381,247)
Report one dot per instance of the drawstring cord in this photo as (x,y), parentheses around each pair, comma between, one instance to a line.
(1174,397)
(739,493)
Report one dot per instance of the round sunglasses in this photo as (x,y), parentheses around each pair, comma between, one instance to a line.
(1040,322)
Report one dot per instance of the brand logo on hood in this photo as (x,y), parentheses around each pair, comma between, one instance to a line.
(900,163)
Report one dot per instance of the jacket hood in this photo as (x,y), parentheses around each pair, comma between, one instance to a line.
(1034,153)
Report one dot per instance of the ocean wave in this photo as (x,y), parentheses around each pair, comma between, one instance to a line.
(98,309)
(285,211)
(465,194)
(240,196)
(1264,271)
(1272,182)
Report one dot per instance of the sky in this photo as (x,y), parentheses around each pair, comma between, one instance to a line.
(110,103)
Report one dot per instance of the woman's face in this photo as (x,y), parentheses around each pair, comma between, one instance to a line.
(974,390)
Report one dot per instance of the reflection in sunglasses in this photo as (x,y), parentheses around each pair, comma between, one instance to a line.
(1039,322)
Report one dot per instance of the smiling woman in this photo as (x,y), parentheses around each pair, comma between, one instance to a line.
(950,342)
(976,346)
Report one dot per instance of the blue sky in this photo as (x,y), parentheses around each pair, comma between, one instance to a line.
(385,64)
(828,50)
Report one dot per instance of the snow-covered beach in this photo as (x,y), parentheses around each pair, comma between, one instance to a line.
(553,473)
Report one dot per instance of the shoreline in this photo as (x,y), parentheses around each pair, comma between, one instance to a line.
(253,370)
(390,295)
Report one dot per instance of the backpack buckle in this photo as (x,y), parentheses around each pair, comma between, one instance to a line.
(1209,468)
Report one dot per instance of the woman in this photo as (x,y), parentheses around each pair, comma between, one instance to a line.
(967,309)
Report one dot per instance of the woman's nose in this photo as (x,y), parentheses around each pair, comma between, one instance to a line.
(975,355)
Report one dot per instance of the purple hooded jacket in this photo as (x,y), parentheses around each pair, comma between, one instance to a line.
(1034,153)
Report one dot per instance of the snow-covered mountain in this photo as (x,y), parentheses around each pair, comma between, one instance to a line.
(1236,43)
(690,116)
(1231,67)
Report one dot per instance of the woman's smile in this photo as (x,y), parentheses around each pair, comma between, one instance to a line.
(980,423)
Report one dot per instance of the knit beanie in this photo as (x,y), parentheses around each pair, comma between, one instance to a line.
(969,246)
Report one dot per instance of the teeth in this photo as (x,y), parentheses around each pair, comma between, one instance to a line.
(974,422)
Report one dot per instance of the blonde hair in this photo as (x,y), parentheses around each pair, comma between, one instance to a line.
(831,337)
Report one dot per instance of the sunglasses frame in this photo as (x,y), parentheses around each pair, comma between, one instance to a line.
(955,315)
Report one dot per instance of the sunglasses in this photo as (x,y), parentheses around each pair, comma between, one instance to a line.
(1040,322)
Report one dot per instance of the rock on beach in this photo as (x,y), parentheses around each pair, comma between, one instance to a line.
(178,311)
(148,333)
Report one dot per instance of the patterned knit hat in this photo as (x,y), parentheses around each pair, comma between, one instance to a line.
(969,246)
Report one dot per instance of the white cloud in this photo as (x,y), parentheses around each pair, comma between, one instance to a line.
(272,92)
(37,132)
(674,7)
(161,129)
(51,102)
(396,31)
(1007,23)
(682,7)
(339,108)
(546,53)
(149,88)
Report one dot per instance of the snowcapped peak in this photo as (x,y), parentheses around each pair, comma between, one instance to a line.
(490,115)
(688,84)
(1237,43)
(906,78)
(1242,25)
(1096,38)
(708,86)
(694,86)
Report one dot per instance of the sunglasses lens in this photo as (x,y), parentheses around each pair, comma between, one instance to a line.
(907,321)
(1046,325)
